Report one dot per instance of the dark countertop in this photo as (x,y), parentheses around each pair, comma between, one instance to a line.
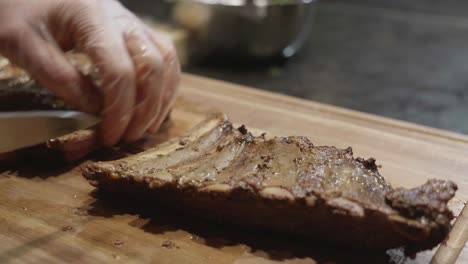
(402,59)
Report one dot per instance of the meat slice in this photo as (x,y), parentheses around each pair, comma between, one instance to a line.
(18,92)
(285,184)
(16,95)
(27,95)
(24,95)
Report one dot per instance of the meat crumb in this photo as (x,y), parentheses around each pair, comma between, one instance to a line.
(118,243)
(67,228)
(196,238)
(169,245)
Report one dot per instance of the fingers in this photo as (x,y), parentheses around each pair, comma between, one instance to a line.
(48,65)
(171,75)
(95,35)
(117,85)
(137,72)
(149,69)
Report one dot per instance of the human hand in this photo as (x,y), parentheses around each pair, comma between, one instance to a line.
(137,68)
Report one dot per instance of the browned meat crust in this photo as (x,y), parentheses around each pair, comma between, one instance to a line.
(16,95)
(285,184)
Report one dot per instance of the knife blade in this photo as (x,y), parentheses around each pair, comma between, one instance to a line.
(23,129)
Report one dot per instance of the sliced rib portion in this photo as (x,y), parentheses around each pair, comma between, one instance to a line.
(19,95)
(18,92)
(285,184)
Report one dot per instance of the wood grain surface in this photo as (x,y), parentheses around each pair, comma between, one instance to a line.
(50,214)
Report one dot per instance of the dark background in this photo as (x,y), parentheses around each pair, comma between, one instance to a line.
(405,59)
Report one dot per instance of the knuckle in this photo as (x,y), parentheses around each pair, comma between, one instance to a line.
(117,83)
(150,65)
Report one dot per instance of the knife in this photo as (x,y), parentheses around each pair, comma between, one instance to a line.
(29,128)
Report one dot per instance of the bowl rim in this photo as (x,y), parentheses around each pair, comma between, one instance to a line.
(242,3)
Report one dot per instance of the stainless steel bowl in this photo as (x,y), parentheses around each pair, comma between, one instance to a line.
(254,28)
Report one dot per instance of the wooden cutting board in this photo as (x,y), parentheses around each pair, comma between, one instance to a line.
(53,216)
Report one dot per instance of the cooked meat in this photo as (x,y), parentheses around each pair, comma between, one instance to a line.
(285,184)
(22,95)
(76,145)
(18,92)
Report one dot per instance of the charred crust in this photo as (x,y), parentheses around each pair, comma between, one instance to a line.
(368,163)
(429,200)
(349,151)
(242,129)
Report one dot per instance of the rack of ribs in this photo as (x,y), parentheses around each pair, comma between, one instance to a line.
(285,184)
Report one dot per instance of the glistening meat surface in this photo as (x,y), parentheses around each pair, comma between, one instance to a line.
(285,184)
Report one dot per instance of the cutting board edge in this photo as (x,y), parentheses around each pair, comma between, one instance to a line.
(336,110)
(450,250)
